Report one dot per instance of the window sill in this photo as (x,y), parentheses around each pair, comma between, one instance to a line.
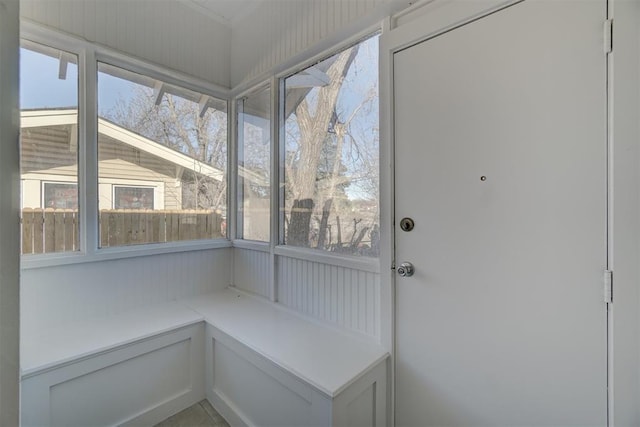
(340,260)
(251,245)
(57,259)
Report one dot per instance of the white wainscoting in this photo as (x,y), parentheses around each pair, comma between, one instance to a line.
(71,293)
(144,30)
(252,269)
(345,296)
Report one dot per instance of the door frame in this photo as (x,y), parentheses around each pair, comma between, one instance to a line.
(624,212)
(430,18)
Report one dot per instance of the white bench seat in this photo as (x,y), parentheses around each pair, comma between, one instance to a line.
(327,358)
(257,362)
(55,347)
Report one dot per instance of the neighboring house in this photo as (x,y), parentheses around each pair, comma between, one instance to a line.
(135,172)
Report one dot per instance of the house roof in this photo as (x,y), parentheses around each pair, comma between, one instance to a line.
(68,116)
(57,117)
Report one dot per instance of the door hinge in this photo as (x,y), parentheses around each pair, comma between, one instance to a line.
(608,36)
(608,286)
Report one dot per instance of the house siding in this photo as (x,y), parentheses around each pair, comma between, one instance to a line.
(47,151)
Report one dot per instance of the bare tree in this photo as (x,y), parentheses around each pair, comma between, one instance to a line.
(330,154)
(178,124)
(313,125)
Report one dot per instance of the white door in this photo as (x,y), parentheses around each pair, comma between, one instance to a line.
(500,151)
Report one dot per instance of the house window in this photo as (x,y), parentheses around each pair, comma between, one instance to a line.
(57,195)
(48,149)
(149,130)
(254,163)
(133,197)
(330,114)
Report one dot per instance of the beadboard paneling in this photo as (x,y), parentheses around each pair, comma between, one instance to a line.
(252,270)
(164,32)
(347,297)
(57,295)
(278,30)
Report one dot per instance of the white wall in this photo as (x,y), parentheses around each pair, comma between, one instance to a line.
(252,271)
(9,210)
(162,32)
(68,293)
(346,296)
(278,32)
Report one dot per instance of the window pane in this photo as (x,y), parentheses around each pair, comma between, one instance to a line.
(133,198)
(48,149)
(162,161)
(331,153)
(254,155)
(60,196)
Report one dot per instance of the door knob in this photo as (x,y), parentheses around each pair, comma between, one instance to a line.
(406,269)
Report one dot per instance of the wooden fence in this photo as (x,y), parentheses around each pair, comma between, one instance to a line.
(56,230)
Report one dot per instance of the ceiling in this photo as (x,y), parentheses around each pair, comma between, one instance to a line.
(227,12)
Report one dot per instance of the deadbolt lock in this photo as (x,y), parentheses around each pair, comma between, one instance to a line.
(406,224)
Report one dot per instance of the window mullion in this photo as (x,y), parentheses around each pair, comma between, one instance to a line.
(279,168)
(238,152)
(275,183)
(88,164)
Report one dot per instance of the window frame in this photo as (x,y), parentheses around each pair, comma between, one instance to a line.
(126,68)
(311,254)
(276,246)
(238,181)
(27,39)
(89,55)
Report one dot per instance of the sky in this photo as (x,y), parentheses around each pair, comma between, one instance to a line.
(40,86)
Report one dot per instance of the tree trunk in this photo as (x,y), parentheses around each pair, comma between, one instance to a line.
(313,128)
(298,232)
(322,234)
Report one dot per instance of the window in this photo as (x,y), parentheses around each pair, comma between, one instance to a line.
(151,131)
(330,113)
(161,151)
(133,198)
(254,163)
(60,195)
(49,149)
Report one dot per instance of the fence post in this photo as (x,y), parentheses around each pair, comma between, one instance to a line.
(27,231)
